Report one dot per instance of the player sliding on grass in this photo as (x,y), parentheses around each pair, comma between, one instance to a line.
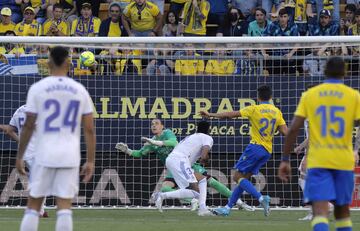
(162,143)
(265,120)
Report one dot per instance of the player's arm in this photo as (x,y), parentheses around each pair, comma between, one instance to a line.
(222,115)
(283,129)
(170,140)
(9,131)
(122,147)
(90,140)
(302,146)
(205,150)
(25,136)
(290,139)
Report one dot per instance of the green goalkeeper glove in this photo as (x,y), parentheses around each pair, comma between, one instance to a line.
(153,142)
(121,147)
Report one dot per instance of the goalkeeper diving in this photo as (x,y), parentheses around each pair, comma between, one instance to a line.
(161,144)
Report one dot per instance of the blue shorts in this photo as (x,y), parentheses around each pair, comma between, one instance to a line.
(329,185)
(253,158)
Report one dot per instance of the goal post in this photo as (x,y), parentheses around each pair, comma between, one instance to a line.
(137,79)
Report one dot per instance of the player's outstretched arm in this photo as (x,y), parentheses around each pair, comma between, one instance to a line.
(90,140)
(171,142)
(302,146)
(9,131)
(25,136)
(284,171)
(223,115)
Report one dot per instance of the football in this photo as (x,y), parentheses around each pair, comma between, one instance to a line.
(87,59)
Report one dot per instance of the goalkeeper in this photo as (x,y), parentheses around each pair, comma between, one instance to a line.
(162,143)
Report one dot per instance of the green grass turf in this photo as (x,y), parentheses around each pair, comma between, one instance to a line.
(170,220)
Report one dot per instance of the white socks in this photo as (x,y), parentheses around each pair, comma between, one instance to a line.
(301,183)
(180,194)
(203,192)
(64,220)
(30,221)
(42,209)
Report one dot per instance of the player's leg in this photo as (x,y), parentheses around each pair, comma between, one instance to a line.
(344,185)
(30,221)
(65,187)
(319,190)
(184,178)
(202,183)
(64,220)
(301,182)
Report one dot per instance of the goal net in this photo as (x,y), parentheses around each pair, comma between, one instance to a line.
(138,79)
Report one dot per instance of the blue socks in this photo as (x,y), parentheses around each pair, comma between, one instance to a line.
(238,191)
(244,185)
(320,224)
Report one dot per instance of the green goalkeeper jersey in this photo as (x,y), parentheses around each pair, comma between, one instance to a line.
(170,141)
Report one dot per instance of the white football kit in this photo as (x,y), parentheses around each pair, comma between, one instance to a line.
(184,155)
(17,121)
(59,103)
(301,169)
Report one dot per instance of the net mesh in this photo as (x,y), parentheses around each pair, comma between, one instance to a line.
(131,84)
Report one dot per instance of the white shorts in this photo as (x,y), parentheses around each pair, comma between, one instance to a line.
(181,170)
(59,182)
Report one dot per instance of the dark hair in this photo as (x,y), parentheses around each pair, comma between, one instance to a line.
(59,55)
(176,17)
(357,12)
(283,11)
(335,68)
(10,32)
(58,5)
(157,118)
(350,7)
(264,93)
(203,127)
(261,10)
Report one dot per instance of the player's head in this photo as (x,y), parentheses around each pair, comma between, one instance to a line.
(335,68)
(264,93)
(157,126)
(203,127)
(59,59)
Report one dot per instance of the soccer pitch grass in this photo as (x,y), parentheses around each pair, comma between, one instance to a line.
(170,220)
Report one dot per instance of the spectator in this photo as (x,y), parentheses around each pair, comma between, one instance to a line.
(15,6)
(40,7)
(95,6)
(144,18)
(195,16)
(86,25)
(160,65)
(177,6)
(325,27)
(189,66)
(298,12)
(247,7)
(355,2)
(113,26)
(171,27)
(29,26)
(257,27)
(234,24)
(355,51)
(160,4)
(332,5)
(6,23)
(349,19)
(283,27)
(122,3)
(56,26)
(220,66)
(218,10)
(69,6)
(267,5)
(12,48)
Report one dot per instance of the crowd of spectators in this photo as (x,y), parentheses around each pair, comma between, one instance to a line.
(184,18)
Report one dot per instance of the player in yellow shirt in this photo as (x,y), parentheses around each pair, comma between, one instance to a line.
(195,15)
(86,25)
(265,120)
(56,26)
(332,109)
(144,17)
(29,26)
(6,24)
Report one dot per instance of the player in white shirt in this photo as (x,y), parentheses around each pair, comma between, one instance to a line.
(179,162)
(13,129)
(59,106)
